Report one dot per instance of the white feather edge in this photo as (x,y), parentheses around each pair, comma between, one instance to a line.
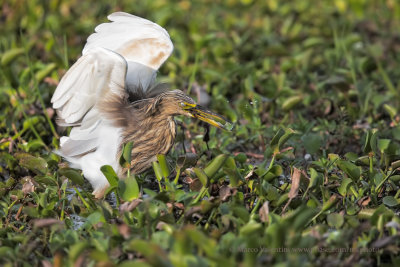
(104,66)
(87,81)
(136,39)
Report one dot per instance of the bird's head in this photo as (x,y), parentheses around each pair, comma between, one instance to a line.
(175,102)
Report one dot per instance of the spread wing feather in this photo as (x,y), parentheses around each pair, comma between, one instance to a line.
(137,39)
(121,55)
(95,73)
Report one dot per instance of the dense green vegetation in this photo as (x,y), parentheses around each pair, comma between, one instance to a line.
(310,174)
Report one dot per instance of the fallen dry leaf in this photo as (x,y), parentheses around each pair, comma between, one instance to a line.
(46,222)
(129,206)
(264,212)
(28,186)
(294,189)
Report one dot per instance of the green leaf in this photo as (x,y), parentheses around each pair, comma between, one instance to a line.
(11,55)
(110,174)
(157,170)
(202,176)
(232,171)
(390,110)
(128,188)
(250,228)
(352,170)
(77,249)
(40,75)
(316,178)
(390,201)
(163,165)
(284,138)
(273,172)
(371,140)
(291,102)
(344,185)
(335,220)
(126,156)
(277,136)
(383,144)
(312,143)
(35,164)
(215,165)
(330,203)
(73,175)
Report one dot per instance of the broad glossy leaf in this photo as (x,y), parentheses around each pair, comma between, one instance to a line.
(110,174)
(73,175)
(35,164)
(128,188)
(213,167)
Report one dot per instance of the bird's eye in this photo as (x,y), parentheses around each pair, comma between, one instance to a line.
(182,104)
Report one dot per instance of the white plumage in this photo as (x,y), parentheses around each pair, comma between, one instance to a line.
(121,55)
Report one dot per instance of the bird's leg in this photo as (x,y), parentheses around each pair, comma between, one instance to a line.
(206,137)
(180,124)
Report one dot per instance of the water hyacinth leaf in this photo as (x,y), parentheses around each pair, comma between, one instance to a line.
(215,165)
(291,102)
(282,199)
(187,160)
(277,136)
(110,174)
(335,220)
(241,158)
(153,253)
(157,170)
(333,157)
(273,172)
(163,165)
(312,143)
(302,216)
(72,175)
(284,138)
(241,213)
(275,234)
(40,75)
(316,178)
(77,249)
(383,144)
(6,252)
(136,263)
(363,161)
(371,140)
(352,170)
(126,156)
(45,180)
(330,203)
(390,201)
(344,185)
(11,55)
(34,145)
(352,209)
(250,228)
(202,176)
(128,188)
(390,110)
(35,164)
(395,164)
(232,171)
(32,121)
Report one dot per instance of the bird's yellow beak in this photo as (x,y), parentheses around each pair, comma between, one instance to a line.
(210,117)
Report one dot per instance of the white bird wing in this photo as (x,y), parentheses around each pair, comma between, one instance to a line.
(87,81)
(145,45)
(122,54)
